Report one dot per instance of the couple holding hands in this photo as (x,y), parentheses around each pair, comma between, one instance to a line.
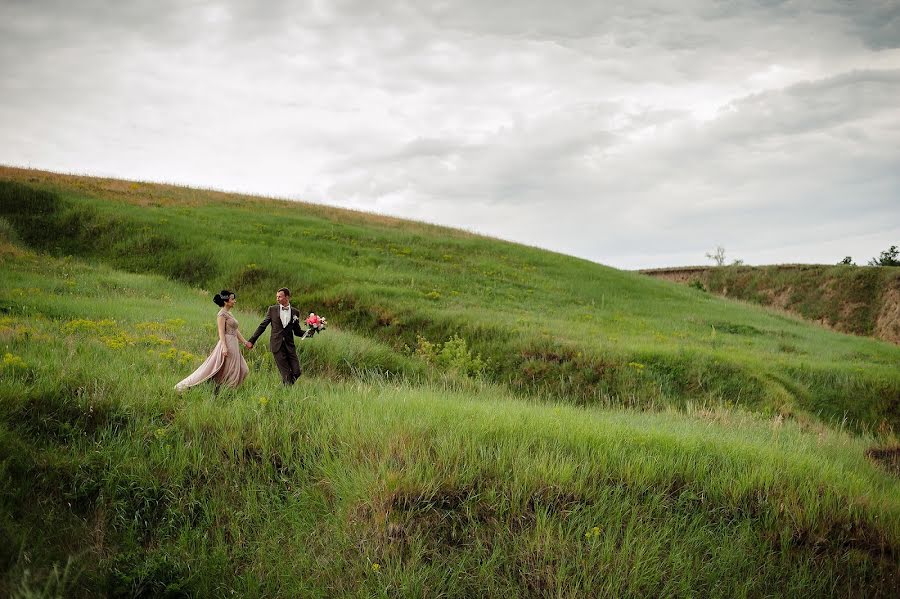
(226,366)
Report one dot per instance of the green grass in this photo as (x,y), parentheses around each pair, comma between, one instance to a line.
(547,325)
(847,298)
(385,474)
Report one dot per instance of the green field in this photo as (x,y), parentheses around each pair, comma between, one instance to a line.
(481,419)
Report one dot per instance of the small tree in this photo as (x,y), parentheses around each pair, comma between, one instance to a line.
(718,257)
(888,257)
(847,260)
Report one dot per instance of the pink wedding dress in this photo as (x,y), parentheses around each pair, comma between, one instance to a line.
(231,370)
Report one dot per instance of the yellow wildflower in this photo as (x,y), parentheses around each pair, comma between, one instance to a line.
(82,325)
(12,361)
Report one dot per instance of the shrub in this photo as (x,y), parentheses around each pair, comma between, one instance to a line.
(426,350)
(889,257)
(454,354)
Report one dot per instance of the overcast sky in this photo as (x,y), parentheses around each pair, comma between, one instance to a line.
(635,136)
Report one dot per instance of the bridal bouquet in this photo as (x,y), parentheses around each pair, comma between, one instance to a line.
(316,323)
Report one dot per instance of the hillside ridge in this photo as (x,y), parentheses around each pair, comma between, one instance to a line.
(860,300)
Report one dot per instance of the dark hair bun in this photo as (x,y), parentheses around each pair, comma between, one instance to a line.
(220,298)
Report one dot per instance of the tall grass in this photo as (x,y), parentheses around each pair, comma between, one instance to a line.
(381,475)
(548,325)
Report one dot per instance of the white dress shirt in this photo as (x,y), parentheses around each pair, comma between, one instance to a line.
(285,315)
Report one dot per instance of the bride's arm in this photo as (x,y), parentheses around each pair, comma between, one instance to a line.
(261,328)
(220,321)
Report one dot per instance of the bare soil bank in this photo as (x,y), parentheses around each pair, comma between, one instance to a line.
(862,300)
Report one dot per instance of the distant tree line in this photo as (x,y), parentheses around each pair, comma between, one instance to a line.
(889,257)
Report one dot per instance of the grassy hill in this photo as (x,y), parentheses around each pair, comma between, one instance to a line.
(545,324)
(482,418)
(851,299)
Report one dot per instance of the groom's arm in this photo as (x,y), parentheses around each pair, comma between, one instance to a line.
(299,332)
(262,327)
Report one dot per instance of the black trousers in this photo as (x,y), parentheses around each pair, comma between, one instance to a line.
(288,363)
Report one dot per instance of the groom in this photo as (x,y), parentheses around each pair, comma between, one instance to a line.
(285,321)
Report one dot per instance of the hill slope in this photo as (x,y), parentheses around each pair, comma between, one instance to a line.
(535,322)
(851,299)
(358,483)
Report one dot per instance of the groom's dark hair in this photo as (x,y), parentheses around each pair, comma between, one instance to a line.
(285,291)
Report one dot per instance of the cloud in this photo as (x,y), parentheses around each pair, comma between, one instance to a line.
(619,133)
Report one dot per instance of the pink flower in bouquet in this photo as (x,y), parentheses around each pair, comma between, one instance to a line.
(315,321)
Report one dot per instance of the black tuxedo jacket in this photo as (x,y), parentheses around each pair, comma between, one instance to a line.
(281,335)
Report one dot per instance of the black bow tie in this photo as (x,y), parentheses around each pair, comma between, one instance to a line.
(283,308)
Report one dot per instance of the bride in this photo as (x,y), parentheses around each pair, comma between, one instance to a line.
(225,365)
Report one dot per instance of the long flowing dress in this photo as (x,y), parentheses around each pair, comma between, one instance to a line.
(230,370)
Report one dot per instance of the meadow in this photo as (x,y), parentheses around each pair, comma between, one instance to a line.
(481,419)
(543,324)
